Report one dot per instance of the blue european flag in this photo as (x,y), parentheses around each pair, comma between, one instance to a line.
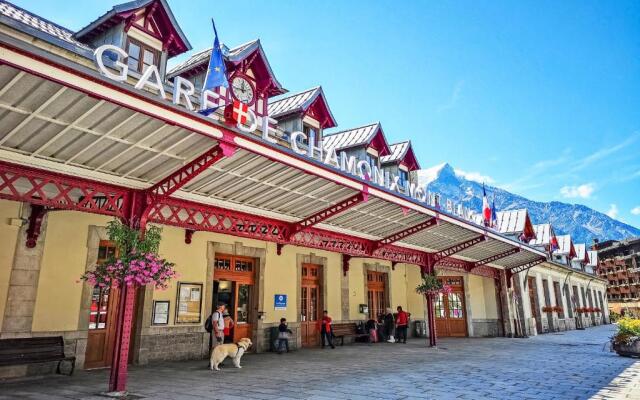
(216,73)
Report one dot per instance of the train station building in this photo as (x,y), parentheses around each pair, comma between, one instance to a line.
(267,204)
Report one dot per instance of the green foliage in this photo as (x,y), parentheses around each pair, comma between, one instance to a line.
(429,284)
(129,240)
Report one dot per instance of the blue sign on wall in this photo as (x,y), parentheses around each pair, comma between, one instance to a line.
(280,302)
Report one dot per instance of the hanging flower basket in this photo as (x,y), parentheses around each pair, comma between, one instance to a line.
(431,286)
(137,262)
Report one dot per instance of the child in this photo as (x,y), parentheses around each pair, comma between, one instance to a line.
(228,325)
(283,335)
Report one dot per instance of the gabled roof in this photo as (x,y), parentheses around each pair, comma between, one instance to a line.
(516,222)
(581,252)
(367,135)
(232,57)
(544,233)
(402,152)
(43,25)
(176,39)
(565,246)
(303,102)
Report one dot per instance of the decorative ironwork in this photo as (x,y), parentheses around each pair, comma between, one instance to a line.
(49,189)
(189,215)
(188,235)
(407,232)
(332,241)
(35,222)
(457,248)
(329,212)
(401,254)
(345,264)
(523,267)
(496,257)
(182,176)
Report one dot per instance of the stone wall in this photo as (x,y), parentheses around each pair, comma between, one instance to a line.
(486,327)
(173,343)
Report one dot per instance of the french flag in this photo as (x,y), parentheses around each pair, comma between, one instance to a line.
(486,209)
(554,244)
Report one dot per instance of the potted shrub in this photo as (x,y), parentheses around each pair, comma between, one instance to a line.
(626,341)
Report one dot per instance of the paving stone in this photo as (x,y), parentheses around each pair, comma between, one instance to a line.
(568,366)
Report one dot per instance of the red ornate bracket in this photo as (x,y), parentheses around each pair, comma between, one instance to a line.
(35,223)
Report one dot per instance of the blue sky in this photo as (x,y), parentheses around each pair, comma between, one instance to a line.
(541,98)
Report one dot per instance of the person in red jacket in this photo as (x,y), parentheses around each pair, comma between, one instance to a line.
(325,330)
(402,322)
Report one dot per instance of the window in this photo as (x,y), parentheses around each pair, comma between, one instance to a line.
(556,289)
(404,177)
(309,131)
(372,160)
(99,308)
(141,56)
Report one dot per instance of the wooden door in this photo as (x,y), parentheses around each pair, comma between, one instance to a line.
(234,286)
(377,294)
(451,319)
(103,315)
(310,304)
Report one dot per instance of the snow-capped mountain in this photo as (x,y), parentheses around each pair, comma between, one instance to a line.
(581,222)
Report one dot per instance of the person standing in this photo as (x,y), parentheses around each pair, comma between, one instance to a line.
(283,335)
(402,322)
(387,324)
(228,326)
(217,318)
(325,330)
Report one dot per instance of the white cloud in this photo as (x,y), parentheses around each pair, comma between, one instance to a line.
(582,191)
(613,211)
(635,210)
(475,176)
(605,152)
(453,99)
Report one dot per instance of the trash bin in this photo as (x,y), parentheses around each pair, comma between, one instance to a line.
(273,338)
(421,329)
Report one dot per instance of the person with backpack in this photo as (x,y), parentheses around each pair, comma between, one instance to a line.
(215,325)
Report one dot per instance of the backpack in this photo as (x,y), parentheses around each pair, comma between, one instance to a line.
(208,324)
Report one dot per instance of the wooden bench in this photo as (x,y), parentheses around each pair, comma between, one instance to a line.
(346,329)
(34,350)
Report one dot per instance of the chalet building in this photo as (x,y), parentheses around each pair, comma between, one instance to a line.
(619,263)
(401,162)
(581,259)
(94,128)
(566,251)
(544,237)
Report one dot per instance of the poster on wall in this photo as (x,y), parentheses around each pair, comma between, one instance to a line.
(189,303)
(160,312)
(280,302)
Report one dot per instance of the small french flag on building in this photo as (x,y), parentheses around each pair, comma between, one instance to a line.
(486,209)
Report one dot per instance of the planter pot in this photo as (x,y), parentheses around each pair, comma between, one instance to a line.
(628,350)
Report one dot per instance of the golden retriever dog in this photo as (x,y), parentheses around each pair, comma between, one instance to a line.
(233,350)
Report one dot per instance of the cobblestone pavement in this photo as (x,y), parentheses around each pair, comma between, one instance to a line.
(568,365)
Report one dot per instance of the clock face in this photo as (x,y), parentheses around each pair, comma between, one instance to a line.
(242,90)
